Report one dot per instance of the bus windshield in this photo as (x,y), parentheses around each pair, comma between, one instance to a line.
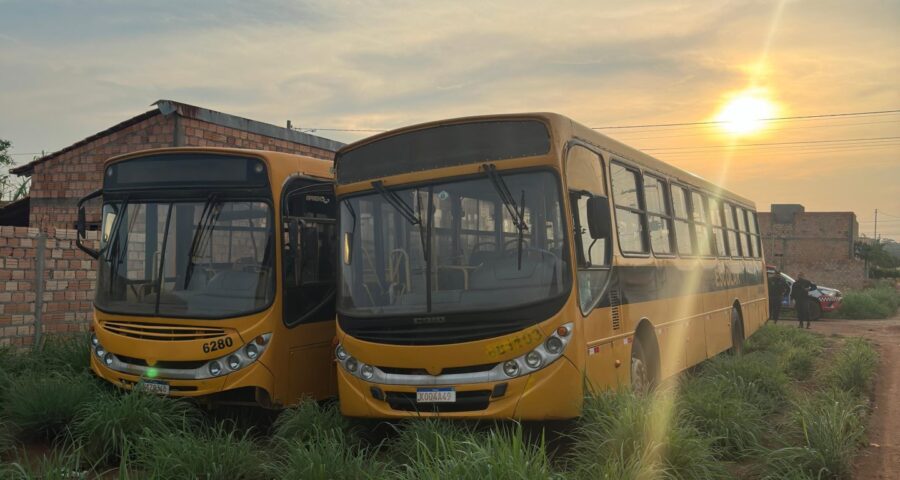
(459,246)
(193,259)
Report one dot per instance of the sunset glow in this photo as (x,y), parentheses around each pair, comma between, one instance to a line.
(746,113)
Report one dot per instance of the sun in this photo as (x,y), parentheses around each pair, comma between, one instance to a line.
(746,112)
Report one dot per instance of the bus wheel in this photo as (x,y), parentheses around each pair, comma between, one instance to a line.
(737,332)
(641,378)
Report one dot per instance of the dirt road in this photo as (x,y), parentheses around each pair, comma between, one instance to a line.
(881,458)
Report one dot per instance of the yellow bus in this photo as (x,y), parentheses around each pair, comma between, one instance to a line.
(216,275)
(505,266)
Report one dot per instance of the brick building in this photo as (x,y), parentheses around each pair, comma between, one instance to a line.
(46,283)
(821,244)
(59,179)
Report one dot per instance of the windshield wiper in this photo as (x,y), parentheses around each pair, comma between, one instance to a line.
(398,203)
(207,217)
(516,212)
(113,244)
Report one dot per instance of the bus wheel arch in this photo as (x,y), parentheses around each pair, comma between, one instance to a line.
(738,334)
(645,368)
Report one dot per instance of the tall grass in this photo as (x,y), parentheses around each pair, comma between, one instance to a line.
(757,377)
(43,405)
(501,453)
(853,367)
(827,430)
(419,437)
(328,456)
(621,433)
(309,420)
(7,439)
(109,424)
(215,452)
(718,409)
(64,463)
(880,301)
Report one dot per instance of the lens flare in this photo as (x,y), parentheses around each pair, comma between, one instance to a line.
(746,112)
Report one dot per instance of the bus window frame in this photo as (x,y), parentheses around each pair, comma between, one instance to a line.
(641,212)
(707,222)
(668,215)
(689,218)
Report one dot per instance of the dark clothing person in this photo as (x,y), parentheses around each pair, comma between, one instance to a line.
(800,294)
(778,287)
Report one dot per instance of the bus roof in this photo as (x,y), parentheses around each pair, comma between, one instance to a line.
(562,129)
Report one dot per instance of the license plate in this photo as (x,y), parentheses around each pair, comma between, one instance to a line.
(153,386)
(435,395)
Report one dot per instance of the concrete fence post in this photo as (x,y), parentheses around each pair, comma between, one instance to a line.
(39,253)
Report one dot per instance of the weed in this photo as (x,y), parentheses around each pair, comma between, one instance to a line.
(853,367)
(309,420)
(328,456)
(719,410)
(43,405)
(429,436)
(757,376)
(645,436)
(7,439)
(799,363)
(215,452)
(65,463)
(106,426)
(881,301)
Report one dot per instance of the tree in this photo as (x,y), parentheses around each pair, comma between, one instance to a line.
(10,188)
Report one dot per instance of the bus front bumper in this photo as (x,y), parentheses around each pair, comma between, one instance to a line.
(554,392)
(255,375)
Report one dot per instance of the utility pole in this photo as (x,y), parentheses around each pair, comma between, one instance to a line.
(875,235)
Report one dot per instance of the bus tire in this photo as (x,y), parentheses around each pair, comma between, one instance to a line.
(642,377)
(737,332)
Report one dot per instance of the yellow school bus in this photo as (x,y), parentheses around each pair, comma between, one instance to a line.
(506,266)
(216,275)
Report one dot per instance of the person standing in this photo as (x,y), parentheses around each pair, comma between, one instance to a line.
(778,287)
(800,294)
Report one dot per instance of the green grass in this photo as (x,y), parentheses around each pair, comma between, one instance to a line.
(500,453)
(7,439)
(827,428)
(880,301)
(64,463)
(721,411)
(428,437)
(328,456)
(758,377)
(309,420)
(621,433)
(215,452)
(110,423)
(43,405)
(853,367)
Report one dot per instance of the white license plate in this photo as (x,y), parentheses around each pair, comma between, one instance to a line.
(435,395)
(153,386)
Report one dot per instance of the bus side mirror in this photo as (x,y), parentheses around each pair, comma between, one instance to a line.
(81,225)
(294,245)
(599,218)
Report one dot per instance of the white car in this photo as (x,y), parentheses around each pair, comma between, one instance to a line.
(822,299)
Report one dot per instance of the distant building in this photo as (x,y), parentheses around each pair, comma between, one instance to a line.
(821,244)
(59,179)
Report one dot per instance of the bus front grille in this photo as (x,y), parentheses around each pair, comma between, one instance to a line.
(447,371)
(153,331)
(472,401)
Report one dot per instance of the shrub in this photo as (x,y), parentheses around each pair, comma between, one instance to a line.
(308,420)
(216,452)
(757,377)
(106,426)
(830,427)
(853,367)
(880,301)
(43,405)
(328,456)
(642,436)
(719,410)
(497,454)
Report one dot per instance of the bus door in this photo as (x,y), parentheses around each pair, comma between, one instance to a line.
(309,264)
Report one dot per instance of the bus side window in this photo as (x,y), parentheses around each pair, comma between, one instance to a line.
(584,176)
(683,235)
(630,215)
(309,255)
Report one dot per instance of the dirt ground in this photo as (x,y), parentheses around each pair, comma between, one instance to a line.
(880,459)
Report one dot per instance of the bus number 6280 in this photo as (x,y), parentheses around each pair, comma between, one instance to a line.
(217,344)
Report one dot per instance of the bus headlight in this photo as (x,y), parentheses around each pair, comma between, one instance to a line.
(544,354)
(94,340)
(99,351)
(340,353)
(354,366)
(108,359)
(367,372)
(236,360)
(511,368)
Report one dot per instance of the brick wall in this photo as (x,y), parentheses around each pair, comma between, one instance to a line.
(67,284)
(198,133)
(820,244)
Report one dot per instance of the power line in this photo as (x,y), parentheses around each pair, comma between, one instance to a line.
(771,119)
(807,142)
(783,129)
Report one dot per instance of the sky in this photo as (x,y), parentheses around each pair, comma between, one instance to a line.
(69,69)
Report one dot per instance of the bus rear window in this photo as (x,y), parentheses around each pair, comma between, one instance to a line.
(443,146)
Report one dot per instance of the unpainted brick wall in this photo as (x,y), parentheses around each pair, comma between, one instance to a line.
(67,282)
(819,244)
